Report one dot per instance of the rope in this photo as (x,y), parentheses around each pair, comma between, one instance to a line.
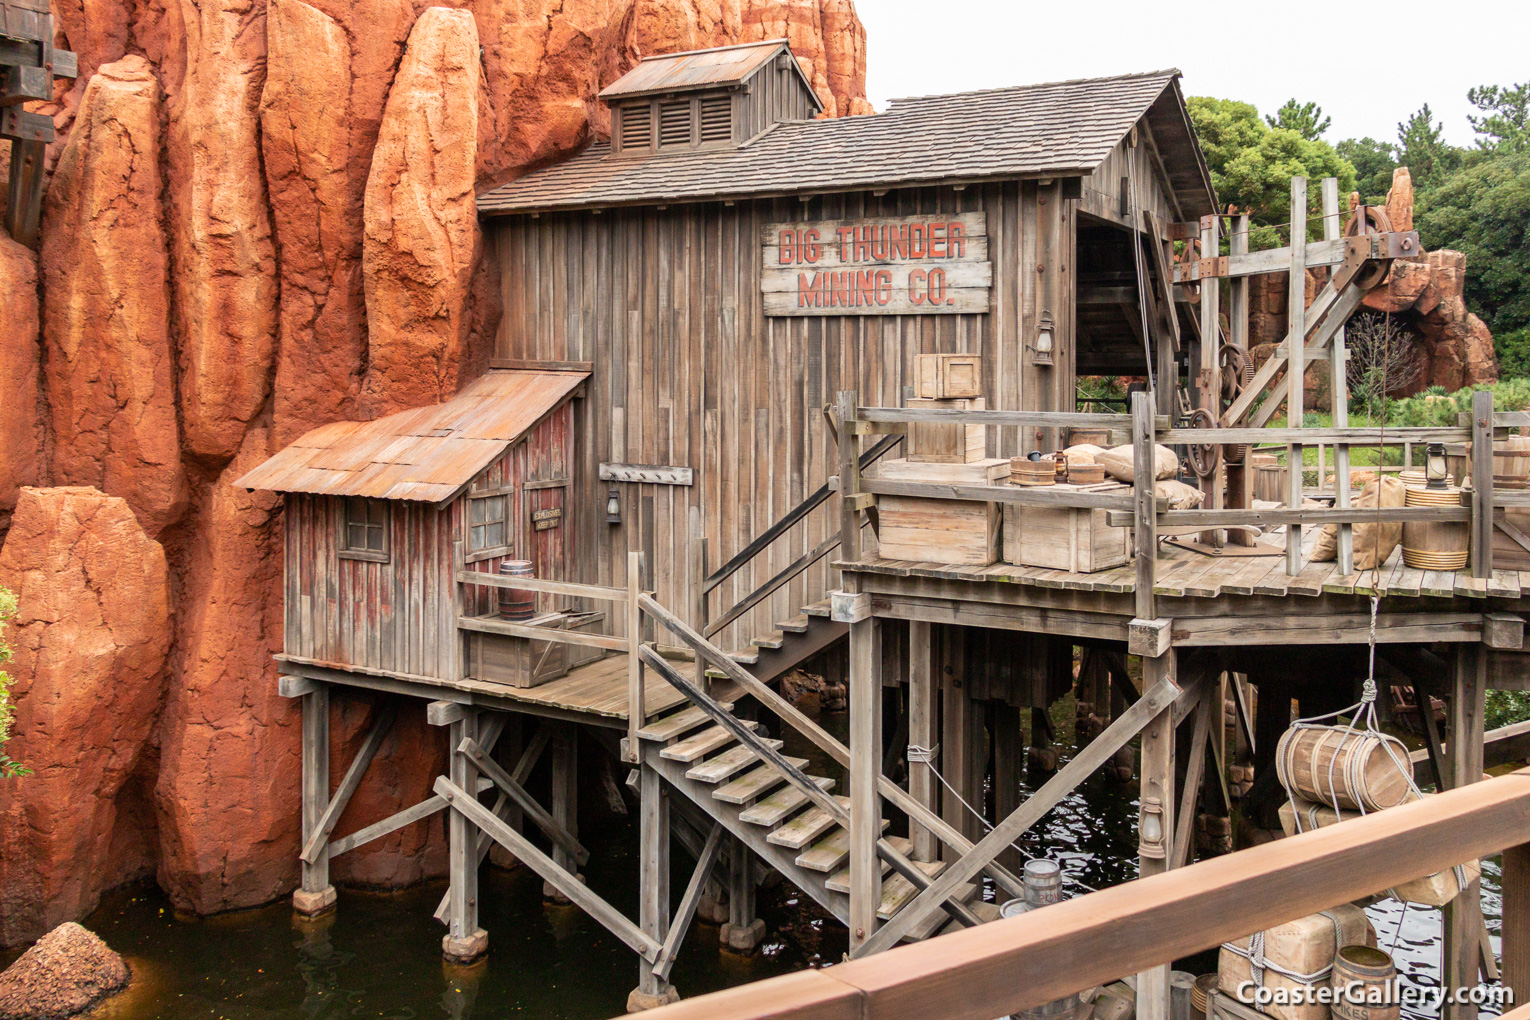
(1259,963)
(926,756)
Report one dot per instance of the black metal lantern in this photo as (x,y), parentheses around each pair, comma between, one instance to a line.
(613,506)
(1041,353)
(1434,466)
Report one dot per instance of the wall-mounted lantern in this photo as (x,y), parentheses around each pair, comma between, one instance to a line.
(1150,829)
(613,506)
(1041,353)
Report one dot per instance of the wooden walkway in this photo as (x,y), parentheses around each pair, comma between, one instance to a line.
(597,688)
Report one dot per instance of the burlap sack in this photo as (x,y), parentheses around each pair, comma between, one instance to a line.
(1373,543)
(1119,465)
(1179,495)
(1083,453)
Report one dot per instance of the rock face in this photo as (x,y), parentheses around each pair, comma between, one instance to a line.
(421,225)
(260,220)
(90,640)
(106,302)
(66,972)
(21,425)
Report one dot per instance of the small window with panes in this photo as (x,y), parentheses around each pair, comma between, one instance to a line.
(364,529)
(489,506)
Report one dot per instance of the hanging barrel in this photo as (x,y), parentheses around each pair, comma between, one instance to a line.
(1331,763)
(1363,978)
(1435,545)
(516,603)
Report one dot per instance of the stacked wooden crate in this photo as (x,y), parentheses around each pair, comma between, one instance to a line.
(943,530)
(1074,539)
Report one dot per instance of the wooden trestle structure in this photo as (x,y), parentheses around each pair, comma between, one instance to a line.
(657,401)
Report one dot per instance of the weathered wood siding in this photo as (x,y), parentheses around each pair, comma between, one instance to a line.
(774,94)
(399,616)
(688,371)
(1102,190)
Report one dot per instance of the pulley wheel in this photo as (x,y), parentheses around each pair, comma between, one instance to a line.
(1372,274)
(1204,457)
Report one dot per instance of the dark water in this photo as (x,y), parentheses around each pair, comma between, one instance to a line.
(379,955)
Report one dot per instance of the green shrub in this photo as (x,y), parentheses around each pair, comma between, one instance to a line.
(1513,350)
(1429,408)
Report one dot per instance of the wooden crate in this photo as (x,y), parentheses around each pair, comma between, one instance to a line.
(527,662)
(952,531)
(932,443)
(988,471)
(1065,538)
(944,376)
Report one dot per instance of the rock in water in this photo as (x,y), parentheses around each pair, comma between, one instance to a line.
(66,972)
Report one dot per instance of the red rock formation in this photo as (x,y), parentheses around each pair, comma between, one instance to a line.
(220,225)
(110,376)
(421,238)
(90,641)
(229,766)
(21,428)
(243,144)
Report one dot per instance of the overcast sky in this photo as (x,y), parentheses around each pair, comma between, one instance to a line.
(1260,53)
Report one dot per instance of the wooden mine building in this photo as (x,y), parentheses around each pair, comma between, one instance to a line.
(756,388)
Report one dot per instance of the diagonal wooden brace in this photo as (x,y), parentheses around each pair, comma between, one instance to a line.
(681,922)
(548,869)
(315,847)
(507,784)
(962,870)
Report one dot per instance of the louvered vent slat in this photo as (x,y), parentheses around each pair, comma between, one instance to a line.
(716,119)
(637,127)
(675,123)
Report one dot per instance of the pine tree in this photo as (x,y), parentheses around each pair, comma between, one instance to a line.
(1505,124)
(1306,119)
(1422,148)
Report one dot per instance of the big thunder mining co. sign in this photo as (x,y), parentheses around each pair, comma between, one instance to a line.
(914,265)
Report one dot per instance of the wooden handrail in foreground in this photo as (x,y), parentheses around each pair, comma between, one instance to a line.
(1009,965)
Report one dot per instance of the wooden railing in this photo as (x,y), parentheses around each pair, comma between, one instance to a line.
(1009,965)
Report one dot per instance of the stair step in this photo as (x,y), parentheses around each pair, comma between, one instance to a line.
(748,787)
(796,625)
(773,809)
(820,608)
(897,890)
(748,658)
(840,881)
(806,827)
(671,726)
(769,641)
(830,852)
(735,759)
(702,744)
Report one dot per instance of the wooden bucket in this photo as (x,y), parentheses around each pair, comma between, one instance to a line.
(1362,979)
(1435,545)
(1200,996)
(1032,472)
(1330,763)
(515,603)
(1095,437)
(1086,474)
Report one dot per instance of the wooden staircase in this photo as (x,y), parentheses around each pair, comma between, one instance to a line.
(794,641)
(753,801)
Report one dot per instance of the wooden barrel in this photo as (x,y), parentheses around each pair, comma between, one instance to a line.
(1330,763)
(1032,472)
(516,603)
(1094,437)
(1086,474)
(1435,545)
(1200,996)
(1362,979)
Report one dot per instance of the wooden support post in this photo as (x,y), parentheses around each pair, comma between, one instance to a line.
(637,712)
(1008,753)
(1145,504)
(1155,826)
(922,733)
(464,941)
(1482,483)
(1296,365)
(1338,363)
(1463,750)
(315,895)
(743,931)
(957,723)
(1516,920)
(1207,381)
(1240,477)
(565,802)
(653,882)
(865,769)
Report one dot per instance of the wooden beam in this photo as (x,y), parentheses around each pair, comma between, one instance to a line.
(315,874)
(313,846)
(1516,921)
(865,681)
(1144,505)
(1463,915)
(464,940)
(525,365)
(612,919)
(1306,515)
(653,873)
(1482,484)
(922,733)
(705,862)
(1062,783)
(1195,768)
(506,783)
(1345,628)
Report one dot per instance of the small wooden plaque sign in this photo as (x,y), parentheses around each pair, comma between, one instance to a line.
(546,520)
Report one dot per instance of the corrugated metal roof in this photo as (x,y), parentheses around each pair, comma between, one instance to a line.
(1062,128)
(426,454)
(696,69)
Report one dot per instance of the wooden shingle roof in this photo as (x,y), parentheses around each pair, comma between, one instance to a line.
(723,67)
(426,454)
(1057,129)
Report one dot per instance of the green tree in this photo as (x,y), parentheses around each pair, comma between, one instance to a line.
(1505,123)
(1422,148)
(1252,163)
(1374,162)
(1483,210)
(8,767)
(1306,119)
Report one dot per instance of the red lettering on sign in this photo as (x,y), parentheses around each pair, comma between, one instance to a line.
(956,236)
(937,287)
(897,247)
(867,287)
(883,287)
(916,279)
(916,241)
(839,289)
(809,292)
(879,243)
(846,234)
(788,247)
(937,246)
(809,248)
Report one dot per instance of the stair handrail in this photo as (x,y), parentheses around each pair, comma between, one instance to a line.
(765,539)
(705,651)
